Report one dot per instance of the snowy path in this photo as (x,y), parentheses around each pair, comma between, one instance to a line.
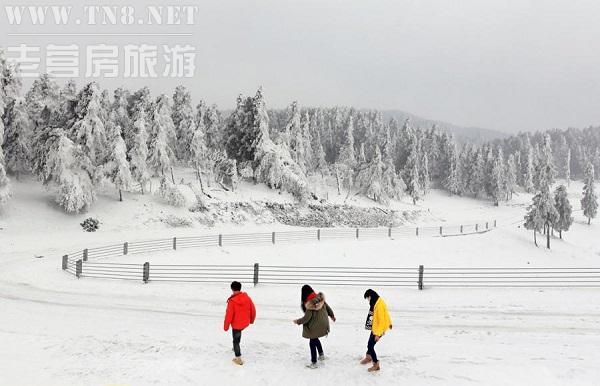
(164,334)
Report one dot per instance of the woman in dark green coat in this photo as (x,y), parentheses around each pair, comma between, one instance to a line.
(315,322)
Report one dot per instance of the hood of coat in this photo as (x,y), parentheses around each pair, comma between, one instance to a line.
(316,303)
(240,298)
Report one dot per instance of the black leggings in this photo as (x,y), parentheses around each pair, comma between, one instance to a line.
(237,337)
(371,348)
(315,345)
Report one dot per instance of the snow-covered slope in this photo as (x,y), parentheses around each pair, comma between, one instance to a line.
(62,330)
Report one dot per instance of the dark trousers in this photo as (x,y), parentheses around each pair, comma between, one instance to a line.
(315,345)
(237,337)
(371,348)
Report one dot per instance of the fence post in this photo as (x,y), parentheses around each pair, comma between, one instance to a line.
(421,269)
(85,254)
(461,229)
(487,225)
(319,234)
(356,232)
(146,273)
(273,237)
(174,242)
(125,248)
(440,230)
(65,262)
(220,240)
(255,274)
(417,231)
(476,227)
(495,224)
(390,232)
(78,268)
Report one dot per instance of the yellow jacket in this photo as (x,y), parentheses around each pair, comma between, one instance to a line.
(381,318)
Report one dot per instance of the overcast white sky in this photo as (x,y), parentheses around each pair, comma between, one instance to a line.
(508,65)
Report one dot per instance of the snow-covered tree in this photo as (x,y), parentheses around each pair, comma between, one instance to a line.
(497,179)
(88,128)
(117,168)
(161,154)
(213,128)
(541,215)
(67,167)
(511,176)
(564,209)
(138,153)
(170,192)
(346,161)
(589,201)
(319,164)
(119,115)
(412,174)
(43,102)
(5,191)
(453,182)
(528,179)
(17,137)
(567,171)
(183,121)
(199,153)
(377,179)
(478,175)
(424,179)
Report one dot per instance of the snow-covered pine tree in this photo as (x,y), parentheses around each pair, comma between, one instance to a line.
(528,179)
(452,182)
(42,102)
(119,116)
(5,190)
(424,179)
(88,128)
(412,174)
(183,121)
(511,176)
(346,161)
(213,128)
(319,164)
(541,215)
(138,153)
(67,103)
(478,175)
(567,171)
(589,201)
(306,160)
(161,156)
(117,168)
(497,179)
(199,152)
(17,138)
(564,209)
(66,166)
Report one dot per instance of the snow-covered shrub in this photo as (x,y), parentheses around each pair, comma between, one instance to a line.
(226,172)
(177,222)
(171,193)
(90,224)
(277,169)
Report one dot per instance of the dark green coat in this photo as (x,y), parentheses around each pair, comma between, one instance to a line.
(315,322)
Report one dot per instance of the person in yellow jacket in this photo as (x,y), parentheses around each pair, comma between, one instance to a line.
(378,322)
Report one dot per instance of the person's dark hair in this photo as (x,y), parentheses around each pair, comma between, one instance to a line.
(236,286)
(373,297)
(306,290)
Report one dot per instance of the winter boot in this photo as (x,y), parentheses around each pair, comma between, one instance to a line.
(366,360)
(374,368)
(312,365)
(238,361)
(322,357)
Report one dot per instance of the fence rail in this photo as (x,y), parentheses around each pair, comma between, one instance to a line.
(419,277)
(220,240)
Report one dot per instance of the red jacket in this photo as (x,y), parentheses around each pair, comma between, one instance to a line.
(240,312)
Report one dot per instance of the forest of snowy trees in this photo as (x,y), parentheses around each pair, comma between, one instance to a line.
(73,139)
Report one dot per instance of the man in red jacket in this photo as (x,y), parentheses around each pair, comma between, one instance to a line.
(240,314)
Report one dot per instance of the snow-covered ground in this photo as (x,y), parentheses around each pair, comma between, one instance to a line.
(58,330)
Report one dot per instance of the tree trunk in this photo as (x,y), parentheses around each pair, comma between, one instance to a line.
(560,233)
(201,184)
(337,178)
(535,238)
(548,237)
(120,195)
(172,176)
(589,220)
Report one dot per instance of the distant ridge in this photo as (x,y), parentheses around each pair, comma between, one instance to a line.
(461,133)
